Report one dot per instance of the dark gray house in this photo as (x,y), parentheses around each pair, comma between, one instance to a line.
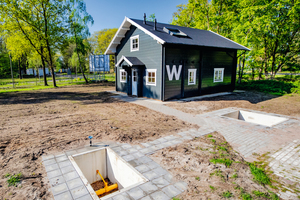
(163,61)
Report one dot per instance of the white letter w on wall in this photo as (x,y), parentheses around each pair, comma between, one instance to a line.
(174,71)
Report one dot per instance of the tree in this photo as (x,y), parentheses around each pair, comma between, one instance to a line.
(78,22)
(151,18)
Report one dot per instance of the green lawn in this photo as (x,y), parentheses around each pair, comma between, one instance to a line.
(38,84)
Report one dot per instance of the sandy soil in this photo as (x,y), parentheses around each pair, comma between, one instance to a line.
(285,105)
(191,162)
(44,122)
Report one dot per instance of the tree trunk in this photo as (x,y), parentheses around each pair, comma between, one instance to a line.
(86,81)
(44,69)
(19,66)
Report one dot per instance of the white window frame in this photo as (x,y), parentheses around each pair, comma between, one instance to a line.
(147,71)
(121,80)
(131,43)
(194,78)
(222,74)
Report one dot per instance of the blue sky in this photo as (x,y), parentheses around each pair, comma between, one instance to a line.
(111,13)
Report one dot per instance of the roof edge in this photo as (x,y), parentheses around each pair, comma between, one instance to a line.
(139,27)
(123,58)
(230,40)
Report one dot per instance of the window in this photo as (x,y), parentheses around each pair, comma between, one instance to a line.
(151,77)
(218,74)
(123,76)
(134,43)
(192,77)
(174,32)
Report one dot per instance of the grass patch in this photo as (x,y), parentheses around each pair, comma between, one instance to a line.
(221,148)
(224,161)
(227,194)
(213,140)
(13,179)
(212,188)
(197,178)
(268,195)
(259,175)
(234,176)
(209,136)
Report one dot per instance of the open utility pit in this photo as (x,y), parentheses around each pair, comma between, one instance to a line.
(111,166)
(256,118)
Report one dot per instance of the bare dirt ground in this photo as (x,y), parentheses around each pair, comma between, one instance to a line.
(192,163)
(50,121)
(285,105)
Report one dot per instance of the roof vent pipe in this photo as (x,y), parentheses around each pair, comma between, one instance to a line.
(155,24)
(144,18)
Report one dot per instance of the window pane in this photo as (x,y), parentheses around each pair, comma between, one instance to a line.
(153,80)
(149,79)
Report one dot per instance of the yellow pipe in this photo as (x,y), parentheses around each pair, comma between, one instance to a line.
(106,188)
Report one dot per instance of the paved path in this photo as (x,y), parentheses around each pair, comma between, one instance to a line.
(282,140)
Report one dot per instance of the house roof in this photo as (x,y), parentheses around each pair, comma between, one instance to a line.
(194,37)
(131,61)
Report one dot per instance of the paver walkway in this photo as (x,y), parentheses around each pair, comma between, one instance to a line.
(282,140)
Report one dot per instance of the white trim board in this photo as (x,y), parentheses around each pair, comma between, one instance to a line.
(123,58)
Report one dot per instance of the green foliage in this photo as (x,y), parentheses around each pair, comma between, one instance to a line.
(246,196)
(267,195)
(151,17)
(174,198)
(13,179)
(213,140)
(234,176)
(212,188)
(221,148)
(259,175)
(209,136)
(224,161)
(227,194)
(270,86)
(197,178)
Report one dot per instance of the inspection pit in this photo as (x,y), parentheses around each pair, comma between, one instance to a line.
(256,118)
(110,165)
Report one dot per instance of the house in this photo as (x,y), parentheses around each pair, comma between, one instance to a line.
(163,61)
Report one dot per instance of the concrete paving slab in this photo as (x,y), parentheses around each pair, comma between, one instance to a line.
(67,169)
(64,163)
(171,191)
(70,175)
(51,167)
(160,182)
(56,181)
(63,196)
(85,197)
(54,173)
(79,192)
(143,168)
(74,183)
(59,189)
(50,161)
(150,175)
(122,196)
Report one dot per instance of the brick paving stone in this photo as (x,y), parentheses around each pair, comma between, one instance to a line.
(136,193)
(145,159)
(160,171)
(128,157)
(122,153)
(138,155)
(63,196)
(135,162)
(150,175)
(126,146)
(171,191)
(159,195)
(61,158)
(152,165)
(160,182)
(149,187)
(142,168)
(122,196)
(131,150)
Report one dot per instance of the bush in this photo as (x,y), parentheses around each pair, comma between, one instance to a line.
(270,86)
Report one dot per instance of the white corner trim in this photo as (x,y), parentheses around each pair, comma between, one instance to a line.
(146,31)
(150,70)
(230,40)
(116,35)
(123,58)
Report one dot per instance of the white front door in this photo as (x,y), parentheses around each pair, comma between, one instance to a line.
(134,82)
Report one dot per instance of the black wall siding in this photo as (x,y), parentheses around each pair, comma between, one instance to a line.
(150,53)
(189,58)
(216,59)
